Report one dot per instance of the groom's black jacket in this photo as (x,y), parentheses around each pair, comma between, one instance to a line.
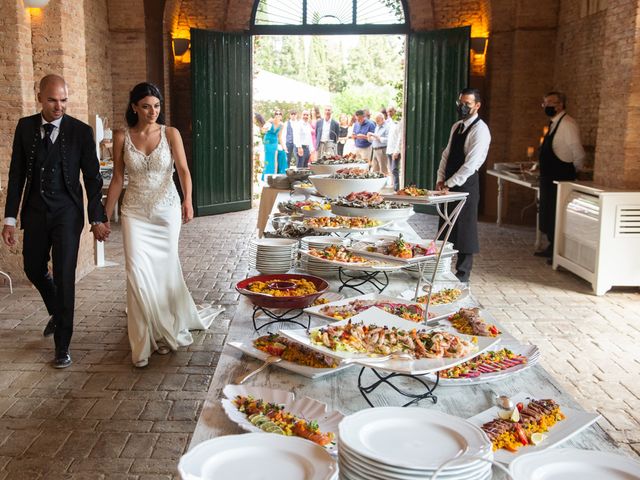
(78,152)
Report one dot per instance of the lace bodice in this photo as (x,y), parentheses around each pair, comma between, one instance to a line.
(150,176)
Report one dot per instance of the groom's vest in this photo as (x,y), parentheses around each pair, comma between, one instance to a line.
(47,185)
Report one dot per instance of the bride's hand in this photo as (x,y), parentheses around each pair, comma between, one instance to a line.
(187,211)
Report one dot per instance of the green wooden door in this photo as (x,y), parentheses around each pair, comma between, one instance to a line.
(222,123)
(437,69)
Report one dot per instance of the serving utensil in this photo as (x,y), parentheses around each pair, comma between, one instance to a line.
(268,361)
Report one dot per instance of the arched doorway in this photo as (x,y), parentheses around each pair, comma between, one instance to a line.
(437,67)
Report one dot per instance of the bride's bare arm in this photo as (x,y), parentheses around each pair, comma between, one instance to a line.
(180,160)
(117,178)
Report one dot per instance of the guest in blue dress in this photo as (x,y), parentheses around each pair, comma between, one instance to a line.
(275,153)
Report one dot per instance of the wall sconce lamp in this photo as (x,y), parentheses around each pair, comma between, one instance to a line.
(478,45)
(35,3)
(180,46)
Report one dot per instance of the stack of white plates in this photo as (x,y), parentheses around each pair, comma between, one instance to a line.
(257,455)
(314,266)
(272,255)
(394,443)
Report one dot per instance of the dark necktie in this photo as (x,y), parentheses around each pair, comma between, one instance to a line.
(461,128)
(48,128)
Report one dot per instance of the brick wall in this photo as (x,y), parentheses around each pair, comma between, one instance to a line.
(55,39)
(98,54)
(128,52)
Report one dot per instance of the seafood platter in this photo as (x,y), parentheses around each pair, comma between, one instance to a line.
(340,256)
(372,205)
(333,163)
(347,180)
(339,224)
(396,249)
(383,341)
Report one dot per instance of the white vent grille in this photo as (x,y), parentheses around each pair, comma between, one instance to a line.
(628,220)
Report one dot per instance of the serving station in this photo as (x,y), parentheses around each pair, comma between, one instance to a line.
(488,404)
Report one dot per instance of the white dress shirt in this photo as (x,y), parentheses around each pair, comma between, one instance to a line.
(302,135)
(326,131)
(11,221)
(566,143)
(476,147)
(393,140)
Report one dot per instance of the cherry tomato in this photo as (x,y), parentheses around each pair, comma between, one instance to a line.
(520,406)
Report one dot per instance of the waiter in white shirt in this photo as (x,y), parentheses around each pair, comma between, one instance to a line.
(561,155)
(465,153)
(327,132)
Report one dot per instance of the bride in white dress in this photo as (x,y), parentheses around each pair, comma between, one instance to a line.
(160,310)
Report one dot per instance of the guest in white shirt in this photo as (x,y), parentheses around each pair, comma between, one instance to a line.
(465,153)
(394,146)
(327,133)
(302,140)
(561,155)
(378,141)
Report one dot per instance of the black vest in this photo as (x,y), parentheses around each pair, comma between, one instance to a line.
(551,167)
(48,191)
(456,150)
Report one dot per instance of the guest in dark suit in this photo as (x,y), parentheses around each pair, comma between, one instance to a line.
(327,134)
(50,149)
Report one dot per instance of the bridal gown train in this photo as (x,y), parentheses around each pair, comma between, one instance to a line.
(160,309)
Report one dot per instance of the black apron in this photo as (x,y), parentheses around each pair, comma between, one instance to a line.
(551,169)
(464,235)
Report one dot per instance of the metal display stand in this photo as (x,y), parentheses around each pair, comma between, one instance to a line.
(355,280)
(386,378)
(287,316)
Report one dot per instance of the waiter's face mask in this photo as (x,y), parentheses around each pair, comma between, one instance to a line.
(552,106)
(466,106)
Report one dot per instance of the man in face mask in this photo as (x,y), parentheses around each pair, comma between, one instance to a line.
(465,153)
(561,155)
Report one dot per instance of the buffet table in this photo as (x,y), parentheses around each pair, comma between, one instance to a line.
(518,180)
(340,390)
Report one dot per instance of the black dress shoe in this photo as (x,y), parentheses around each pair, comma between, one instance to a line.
(62,360)
(546,253)
(50,328)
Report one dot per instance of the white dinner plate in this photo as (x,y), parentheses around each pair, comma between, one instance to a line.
(397,436)
(375,316)
(270,243)
(303,407)
(574,423)
(304,370)
(574,464)
(254,456)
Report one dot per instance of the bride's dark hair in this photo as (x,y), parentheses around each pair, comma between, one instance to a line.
(144,89)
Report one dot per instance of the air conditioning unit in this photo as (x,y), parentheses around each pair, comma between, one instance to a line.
(598,234)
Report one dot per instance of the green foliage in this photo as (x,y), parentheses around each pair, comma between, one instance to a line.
(369,74)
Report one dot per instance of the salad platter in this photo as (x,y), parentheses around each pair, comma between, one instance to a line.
(348,307)
(295,365)
(566,423)
(401,359)
(261,409)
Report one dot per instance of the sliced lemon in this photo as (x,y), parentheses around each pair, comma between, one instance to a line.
(515,415)
(537,438)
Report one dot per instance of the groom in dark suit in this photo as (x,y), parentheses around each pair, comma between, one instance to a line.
(50,149)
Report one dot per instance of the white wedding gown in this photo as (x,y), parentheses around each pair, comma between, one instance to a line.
(159,306)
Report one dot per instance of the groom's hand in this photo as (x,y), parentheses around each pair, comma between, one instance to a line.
(101,231)
(9,235)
